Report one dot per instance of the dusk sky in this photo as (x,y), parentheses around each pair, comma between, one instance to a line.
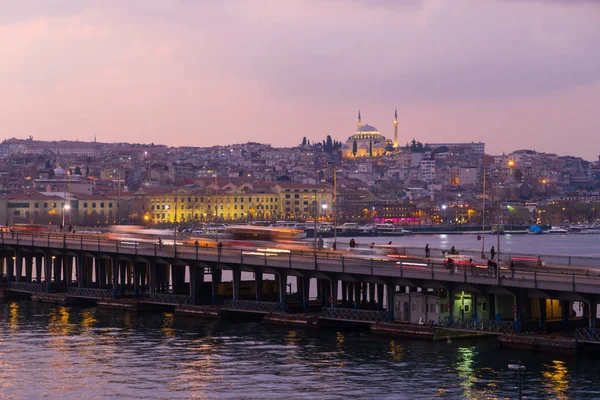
(512,73)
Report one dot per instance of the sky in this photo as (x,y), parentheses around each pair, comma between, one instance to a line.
(515,74)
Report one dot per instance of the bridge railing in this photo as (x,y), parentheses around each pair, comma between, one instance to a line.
(91,292)
(27,287)
(250,305)
(587,334)
(354,315)
(167,298)
(480,326)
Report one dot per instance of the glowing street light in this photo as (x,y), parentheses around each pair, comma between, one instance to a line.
(65,208)
(511,163)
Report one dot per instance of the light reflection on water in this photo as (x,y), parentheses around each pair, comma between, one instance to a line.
(73,353)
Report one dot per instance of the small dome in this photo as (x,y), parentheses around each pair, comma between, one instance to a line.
(345,146)
(59,171)
(379,145)
(363,146)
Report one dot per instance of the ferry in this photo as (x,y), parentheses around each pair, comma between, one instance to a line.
(388,230)
(349,228)
(366,230)
(558,230)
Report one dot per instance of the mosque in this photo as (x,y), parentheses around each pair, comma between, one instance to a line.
(368,142)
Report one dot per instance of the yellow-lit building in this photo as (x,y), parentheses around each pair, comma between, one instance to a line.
(231,202)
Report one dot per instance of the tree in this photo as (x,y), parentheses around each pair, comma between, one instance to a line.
(328,145)
(304,141)
(77,170)
(371,148)
(354,147)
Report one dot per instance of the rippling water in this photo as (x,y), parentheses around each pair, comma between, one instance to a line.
(76,353)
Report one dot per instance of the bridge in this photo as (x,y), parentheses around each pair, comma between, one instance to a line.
(348,288)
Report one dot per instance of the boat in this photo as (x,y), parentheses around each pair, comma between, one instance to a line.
(388,230)
(535,230)
(366,230)
(556,230)
(349,228)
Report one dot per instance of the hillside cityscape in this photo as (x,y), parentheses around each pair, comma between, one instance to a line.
(366,178)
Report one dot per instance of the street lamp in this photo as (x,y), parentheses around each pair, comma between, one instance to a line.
(65,207)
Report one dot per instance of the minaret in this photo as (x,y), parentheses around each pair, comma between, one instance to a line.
(359,123)
(395,128)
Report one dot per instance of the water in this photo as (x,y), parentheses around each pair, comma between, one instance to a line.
(566,245)
(73,353)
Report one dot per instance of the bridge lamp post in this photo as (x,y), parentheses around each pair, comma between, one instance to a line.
(65,208)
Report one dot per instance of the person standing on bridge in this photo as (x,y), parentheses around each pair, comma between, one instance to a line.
(352,243)
(512,269)
(453,250)
(492,252)
(219,248)
(427,252)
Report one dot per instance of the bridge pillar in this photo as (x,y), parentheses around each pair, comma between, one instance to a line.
(566,313)
(57,267)
(122,274)
(364,292)
(344,292)
(115,276)
(196,280)
(390,291)
(305,292)
(19,267)
(334,293)
(68,260)
(236,274)
(48,271)
(350,290)
(10,267)
(593,307)
(542,313)
(88,271)
(380,297)
(178,272)
(282,289)
(258,282)
(217,276)
(475,307)
(357,287)
(38,268)
(100,273)
(450,305)
(371,293)
(139,277)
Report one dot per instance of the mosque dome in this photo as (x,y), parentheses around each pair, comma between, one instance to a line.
(59,171)
(367,128)
(379,145)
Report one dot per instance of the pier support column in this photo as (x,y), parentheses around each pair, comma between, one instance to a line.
(450,304)
(38,267)
(68,270)
(178,272)
(344,293)
(10,267)
(357,287)
(196,281)
(217,276)
(101,273)
(364,290)
(380,297)
(390,291)
(28,268)
(144,277)
(115,277)
(122,274)
(334,293)
(542,307)
(258,282)
(282,290)
(305,292)
(566,313)
(593,314)
(475,307)
(57,267)
(350,291)
(236,274)
(48,271)
(371,293)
